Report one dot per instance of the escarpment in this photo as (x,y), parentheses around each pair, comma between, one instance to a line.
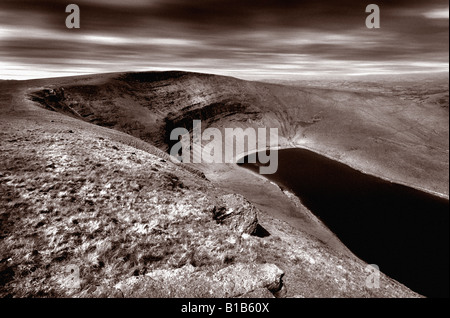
(348,126)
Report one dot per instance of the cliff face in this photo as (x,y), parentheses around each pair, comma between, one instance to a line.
(110,204)
(378,133)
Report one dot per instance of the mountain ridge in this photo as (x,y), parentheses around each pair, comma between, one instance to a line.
(304,117)
(111,202)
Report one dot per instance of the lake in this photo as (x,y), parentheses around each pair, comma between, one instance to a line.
(402,230)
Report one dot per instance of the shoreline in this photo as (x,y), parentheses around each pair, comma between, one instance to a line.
(326,155)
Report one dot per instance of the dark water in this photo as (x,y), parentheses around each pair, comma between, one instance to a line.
(402,230)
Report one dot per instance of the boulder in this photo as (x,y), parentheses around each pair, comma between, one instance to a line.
(246,280)
(238,213)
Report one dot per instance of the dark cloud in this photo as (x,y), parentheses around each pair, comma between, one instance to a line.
(222,36)
(217,15)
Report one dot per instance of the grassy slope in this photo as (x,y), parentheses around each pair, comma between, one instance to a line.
(75,193)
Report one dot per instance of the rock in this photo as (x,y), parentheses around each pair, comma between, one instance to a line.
(238,213)
(141,287)
(249,280)
(258,293)
(105,291)
(248,277)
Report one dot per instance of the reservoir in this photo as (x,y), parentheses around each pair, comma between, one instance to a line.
(402,230)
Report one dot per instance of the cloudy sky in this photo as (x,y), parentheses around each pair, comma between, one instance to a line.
(243,38)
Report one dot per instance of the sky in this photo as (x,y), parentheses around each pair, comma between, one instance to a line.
(280,39)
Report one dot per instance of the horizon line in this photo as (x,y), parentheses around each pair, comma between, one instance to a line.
(292,76)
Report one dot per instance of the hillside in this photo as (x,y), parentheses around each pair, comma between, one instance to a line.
(85,181)
(392,134)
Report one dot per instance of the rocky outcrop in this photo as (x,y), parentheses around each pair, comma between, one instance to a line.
(218,110)
(237,280)
(237,213)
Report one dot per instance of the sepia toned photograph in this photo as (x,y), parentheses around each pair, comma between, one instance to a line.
(224,154)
